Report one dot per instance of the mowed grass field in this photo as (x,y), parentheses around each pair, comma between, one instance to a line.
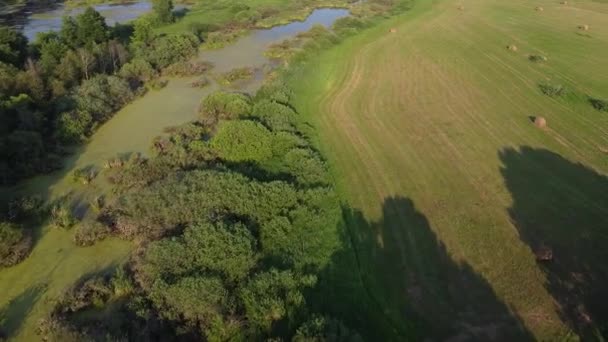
(450,189)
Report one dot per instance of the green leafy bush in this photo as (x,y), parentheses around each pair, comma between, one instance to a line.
(306,166)
(553,90)
(190,68)
(224,106)
(84,175)
(137,72)
(101,96)
(90,232)
(271,296)
(170,49)
(200,83)
(74,126)
(537,58)
(242,140)
(229,250)
(276,116)
(599,104)
(15,244)
(235,75)
(61,216)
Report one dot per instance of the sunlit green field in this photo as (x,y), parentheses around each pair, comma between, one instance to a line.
(452,189)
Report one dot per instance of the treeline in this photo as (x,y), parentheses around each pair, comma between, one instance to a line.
(56,90)
(236,218)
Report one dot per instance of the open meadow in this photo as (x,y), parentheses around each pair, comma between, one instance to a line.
(465,213)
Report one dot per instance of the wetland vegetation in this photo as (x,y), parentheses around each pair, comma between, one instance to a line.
(375,170)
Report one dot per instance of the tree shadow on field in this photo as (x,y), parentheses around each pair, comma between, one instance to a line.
(560,209)
(409,287)
(14,313)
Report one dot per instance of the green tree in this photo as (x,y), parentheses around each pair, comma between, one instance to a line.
(163,10)
(73,126)
(51,49)
(102,95)
(92,28)
(169,49)
(69,32)
(137,71)
(7,79)
(143,32)
(13,46)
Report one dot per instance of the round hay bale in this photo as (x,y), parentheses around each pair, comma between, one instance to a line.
(512,47)
(393,30)
(539,9)
(461,8)
(540,122)
(584,27)
(564,2)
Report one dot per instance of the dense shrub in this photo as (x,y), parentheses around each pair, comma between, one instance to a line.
(24,208)
(276,116)
(13,46)
(190,68)
(137,72)
(224,106)
(84,175)
(283,142)
(88,233)
(599,104)
(102,95)
(229,250)
(306,166)
(348,26)
(169,49)
(274,295)
(242,140)
(553,90)
(15,244)
(283,50)
(73,126)
(322,328)
(235,75)
(537,58)
(219,39)
(274,91)
(200,83)
(62,216)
